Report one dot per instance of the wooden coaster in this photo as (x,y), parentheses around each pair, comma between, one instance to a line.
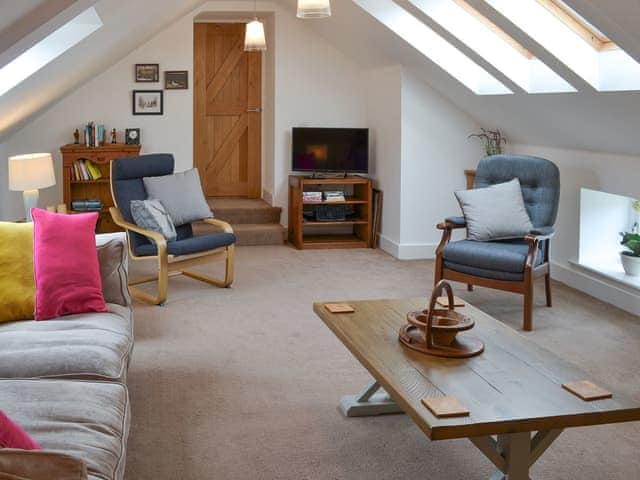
(339,307)
(444,301)
(587,390)
(445,407)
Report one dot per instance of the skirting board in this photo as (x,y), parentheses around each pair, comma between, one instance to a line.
(408,251)
(599,288)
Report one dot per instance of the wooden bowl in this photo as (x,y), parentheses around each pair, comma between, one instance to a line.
(445,325)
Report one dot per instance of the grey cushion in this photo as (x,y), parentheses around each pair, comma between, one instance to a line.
(504,257)
(113,260)
(539,179)
(200,243)
(85,419)
(88,345)
(181,194)
(496,212)
(152,215)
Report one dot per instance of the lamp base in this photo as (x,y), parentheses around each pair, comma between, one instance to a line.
(30,199)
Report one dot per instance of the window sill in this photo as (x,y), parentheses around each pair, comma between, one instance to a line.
(609,269)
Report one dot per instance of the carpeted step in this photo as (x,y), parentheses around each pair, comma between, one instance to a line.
(250,233)
(244,211)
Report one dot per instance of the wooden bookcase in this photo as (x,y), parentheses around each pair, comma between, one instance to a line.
(90,189)
(360,198)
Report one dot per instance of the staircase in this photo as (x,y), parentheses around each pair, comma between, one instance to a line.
(254,222)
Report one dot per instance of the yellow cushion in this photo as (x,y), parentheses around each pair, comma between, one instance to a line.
(17,287)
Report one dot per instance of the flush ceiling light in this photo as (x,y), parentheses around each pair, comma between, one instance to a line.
(314,9)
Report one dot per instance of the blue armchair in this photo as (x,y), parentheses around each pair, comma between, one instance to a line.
(509,265)
(175,256)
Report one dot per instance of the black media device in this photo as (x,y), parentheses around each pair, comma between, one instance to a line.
(331,213)
(330,150)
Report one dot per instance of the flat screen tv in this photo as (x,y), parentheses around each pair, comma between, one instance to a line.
(330,149)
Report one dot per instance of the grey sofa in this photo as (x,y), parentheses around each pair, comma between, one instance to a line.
(63,381)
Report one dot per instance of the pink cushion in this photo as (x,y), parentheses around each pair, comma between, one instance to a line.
(13,436)
(65,264)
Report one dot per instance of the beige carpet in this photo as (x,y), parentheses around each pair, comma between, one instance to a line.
(243,383)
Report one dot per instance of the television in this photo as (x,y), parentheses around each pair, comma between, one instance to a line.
(330,149)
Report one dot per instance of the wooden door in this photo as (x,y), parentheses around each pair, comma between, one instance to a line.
(227,111)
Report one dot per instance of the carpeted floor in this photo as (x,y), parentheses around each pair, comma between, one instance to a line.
(243,383)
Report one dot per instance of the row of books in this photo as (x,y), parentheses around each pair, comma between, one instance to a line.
(328,196)
(93,135)
(85,170)
(92,205)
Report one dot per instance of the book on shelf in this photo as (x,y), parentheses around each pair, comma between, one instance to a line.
(94,134)
(85,170)
(92,205)
(334,196)
(312,196)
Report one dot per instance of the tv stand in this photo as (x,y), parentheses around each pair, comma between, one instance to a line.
(329,175)
(305,233)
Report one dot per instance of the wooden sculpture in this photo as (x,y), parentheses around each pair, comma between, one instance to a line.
(435,331)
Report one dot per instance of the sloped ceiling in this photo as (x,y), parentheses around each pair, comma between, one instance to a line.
(585,120)
(127,24)
(588,120)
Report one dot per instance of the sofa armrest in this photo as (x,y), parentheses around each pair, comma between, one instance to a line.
(113,256)
(41,465)
(544,231)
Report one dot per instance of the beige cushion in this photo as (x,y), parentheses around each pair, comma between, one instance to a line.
(40,465)
(113,259)
(87,420)
(88,345)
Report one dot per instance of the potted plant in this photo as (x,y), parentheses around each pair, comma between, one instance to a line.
(631,256)
(492,140)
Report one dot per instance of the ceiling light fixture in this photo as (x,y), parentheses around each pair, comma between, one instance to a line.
(314,9)
(254,39)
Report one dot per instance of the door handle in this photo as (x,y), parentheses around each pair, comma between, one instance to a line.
(254,110)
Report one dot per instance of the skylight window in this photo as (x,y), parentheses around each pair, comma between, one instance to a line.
(591,55)
(48,49)
(434,47)
(494,45)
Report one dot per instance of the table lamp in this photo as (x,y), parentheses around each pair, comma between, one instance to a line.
(28,173)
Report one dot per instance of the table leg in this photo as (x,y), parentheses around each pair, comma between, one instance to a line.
(514,454)
(368,403)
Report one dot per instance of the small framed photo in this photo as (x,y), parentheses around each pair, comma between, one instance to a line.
(132,136)
(147,102)
(147,72)
(176,79)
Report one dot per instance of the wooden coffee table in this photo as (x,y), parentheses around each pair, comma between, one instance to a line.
(513,390)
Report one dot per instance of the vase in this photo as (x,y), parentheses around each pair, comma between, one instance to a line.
(630,264)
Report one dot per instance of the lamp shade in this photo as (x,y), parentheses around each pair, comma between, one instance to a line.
(31,172)
(254,39)
(314,9)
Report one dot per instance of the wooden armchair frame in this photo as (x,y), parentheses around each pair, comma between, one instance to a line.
(523,287)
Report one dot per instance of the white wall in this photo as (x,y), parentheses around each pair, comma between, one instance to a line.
(383,88)
(598,171)
(435,153)
(314,84)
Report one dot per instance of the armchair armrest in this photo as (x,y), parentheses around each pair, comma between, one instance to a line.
(222,225)
(540,234)
(41,465)
(119,220)
(451,223)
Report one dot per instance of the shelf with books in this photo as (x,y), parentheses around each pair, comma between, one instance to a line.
(92,183)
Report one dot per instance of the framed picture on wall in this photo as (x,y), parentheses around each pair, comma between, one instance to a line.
(147,72)
(176,80)
(147,102)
